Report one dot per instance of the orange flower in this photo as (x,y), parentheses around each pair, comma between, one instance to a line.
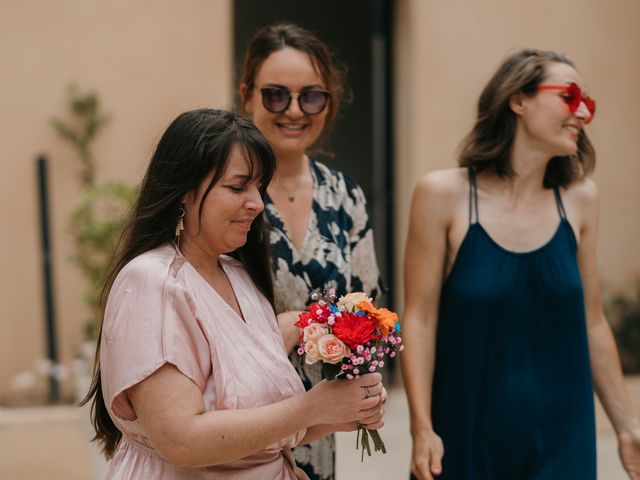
(365,306)
(385,317)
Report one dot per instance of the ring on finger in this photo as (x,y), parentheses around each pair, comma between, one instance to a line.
(366,392)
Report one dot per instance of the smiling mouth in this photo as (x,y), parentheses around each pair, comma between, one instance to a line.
(291,128)
(244,223)
(572,128)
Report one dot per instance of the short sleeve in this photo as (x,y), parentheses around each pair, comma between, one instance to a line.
(150,320)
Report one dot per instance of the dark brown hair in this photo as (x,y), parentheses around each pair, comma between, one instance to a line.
(196,143)
(488,145)
(278,36)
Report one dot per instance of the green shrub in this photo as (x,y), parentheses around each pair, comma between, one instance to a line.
(97,222)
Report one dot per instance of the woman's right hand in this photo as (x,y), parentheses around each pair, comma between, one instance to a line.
(426,458)
(343,401)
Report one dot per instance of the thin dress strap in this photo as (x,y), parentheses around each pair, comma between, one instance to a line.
(473,196)
(559,204)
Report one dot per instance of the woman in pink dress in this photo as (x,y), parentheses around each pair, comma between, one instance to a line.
(192,379)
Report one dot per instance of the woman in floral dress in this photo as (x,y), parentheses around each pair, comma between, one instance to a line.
(321,235)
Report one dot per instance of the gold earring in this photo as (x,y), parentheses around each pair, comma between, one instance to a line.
(180,224)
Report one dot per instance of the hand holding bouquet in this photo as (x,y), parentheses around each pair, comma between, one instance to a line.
(350,337)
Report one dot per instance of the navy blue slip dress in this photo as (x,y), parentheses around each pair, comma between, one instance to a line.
(512,387)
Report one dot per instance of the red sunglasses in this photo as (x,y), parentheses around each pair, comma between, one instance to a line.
(573,97)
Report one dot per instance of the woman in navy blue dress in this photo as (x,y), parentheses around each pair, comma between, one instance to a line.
(504,326)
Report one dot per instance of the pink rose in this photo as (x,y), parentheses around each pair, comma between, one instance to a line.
(332,349)
(311,351)
(313,332)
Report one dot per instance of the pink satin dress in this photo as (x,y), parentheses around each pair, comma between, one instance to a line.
(160,310)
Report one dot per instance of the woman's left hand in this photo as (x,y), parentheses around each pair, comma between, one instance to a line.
(375,422)
(629,449)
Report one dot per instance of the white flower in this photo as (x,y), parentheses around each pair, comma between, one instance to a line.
(349,301)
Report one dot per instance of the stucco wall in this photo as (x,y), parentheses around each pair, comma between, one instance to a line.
(148,61)
(447,51)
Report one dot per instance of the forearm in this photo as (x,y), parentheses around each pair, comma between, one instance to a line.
(417,363)
(222,436)
(290,333)
(318,431)
(608,379)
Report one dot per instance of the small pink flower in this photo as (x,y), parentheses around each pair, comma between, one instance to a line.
(332,349)
(349,376)
(372,369)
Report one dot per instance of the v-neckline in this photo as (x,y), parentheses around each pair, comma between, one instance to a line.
(298,250)
(242,317)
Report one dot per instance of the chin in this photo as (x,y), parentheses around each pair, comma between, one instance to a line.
(566,150)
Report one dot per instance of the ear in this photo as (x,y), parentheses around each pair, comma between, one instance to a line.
(246,99)
(188,199)
(517,103)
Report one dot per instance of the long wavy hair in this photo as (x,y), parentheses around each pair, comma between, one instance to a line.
(488,144)
(278,36)
(195,144)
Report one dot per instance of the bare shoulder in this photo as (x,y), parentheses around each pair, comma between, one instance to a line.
(581,202)
(442,187)
(582,195)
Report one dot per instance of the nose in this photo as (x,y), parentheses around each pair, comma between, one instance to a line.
(293,110)
(583,113)
(254,201)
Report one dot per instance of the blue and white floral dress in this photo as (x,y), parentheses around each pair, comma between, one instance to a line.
(337,252)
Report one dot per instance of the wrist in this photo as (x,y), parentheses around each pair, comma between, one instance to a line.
(311,407)
(631,426)
(420,429)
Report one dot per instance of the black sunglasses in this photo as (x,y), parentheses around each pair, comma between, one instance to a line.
(311,102)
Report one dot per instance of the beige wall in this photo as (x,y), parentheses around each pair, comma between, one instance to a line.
(447,51)
(148,60)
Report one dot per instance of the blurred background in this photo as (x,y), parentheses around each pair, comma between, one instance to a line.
(88,87)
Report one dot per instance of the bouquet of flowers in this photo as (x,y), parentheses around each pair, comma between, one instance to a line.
(350,337)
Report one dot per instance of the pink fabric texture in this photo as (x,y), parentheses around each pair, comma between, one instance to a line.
(160,310)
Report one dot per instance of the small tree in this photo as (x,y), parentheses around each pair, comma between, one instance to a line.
(97,222)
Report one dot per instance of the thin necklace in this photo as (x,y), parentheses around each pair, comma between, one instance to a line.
(291,193)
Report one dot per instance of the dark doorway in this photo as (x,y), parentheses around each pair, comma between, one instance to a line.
(359,33)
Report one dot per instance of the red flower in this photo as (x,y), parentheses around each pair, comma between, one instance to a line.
(315,314)
(355,330)
(303,320)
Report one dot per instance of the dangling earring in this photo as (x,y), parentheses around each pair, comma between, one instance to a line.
(180,224)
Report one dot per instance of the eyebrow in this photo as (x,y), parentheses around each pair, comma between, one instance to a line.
(284,87)
(240,177)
